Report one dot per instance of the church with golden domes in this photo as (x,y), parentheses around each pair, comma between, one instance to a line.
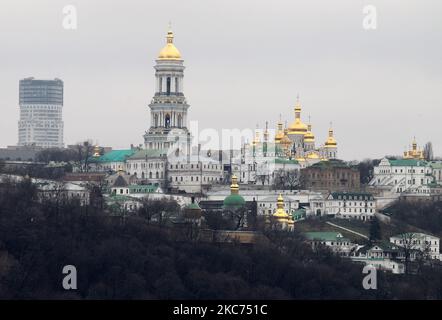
(298,141)
(289,149)
(414,152)
(294,142)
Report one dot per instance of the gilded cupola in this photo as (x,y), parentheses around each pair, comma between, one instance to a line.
(298,127)
(309,136)
(169,52)
(331,141)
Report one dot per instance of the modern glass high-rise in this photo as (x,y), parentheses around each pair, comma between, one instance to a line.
(41,121)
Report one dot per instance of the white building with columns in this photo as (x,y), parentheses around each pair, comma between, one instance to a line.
(403,176)
(168,108)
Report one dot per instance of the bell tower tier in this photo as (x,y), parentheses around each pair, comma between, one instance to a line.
(168,108)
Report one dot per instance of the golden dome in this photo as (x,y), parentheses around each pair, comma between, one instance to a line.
(169,52)
(96,151)
(280,133)
(280,213)
(313,155)
(257,139)
(414,152)
(331,141)
(298,127)
(290,221)
(234,187)
(309,136)
(285,140)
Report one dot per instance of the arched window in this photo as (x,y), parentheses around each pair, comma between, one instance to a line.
(168,86)
(180,120)
(167,121)
(150,175)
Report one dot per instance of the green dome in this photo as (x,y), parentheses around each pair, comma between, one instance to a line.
(234,201)
(193,206)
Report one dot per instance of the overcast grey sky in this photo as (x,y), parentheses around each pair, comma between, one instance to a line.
(246,60)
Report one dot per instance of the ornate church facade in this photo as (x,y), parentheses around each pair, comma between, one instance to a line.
(298,142)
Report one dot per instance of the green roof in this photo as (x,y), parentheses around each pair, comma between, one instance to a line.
(436,164)
(149,153)
(114,156)
(325,236)
(286,161)
(298,214)
(234,201)
(433,184)
(336,163)
(193,206)
(384,245)
(408,163)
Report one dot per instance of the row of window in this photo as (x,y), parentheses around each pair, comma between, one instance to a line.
(196,178)
(402,170)
(337,175)
(194,166)
(360,210)
(144,165)
(361,204)
(415,241)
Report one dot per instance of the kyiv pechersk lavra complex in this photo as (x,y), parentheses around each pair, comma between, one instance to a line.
(285,172)
(170,160)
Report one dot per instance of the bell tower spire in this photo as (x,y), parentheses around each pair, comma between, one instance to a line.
(168,108)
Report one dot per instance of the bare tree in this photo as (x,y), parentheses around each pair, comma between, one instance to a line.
(408,244)
(286,179)
(84,152)
(263,178)
(158,210)
(56,195)
(424,256)
(237,216)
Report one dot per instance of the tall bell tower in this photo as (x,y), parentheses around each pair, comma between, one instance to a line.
(168,108)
